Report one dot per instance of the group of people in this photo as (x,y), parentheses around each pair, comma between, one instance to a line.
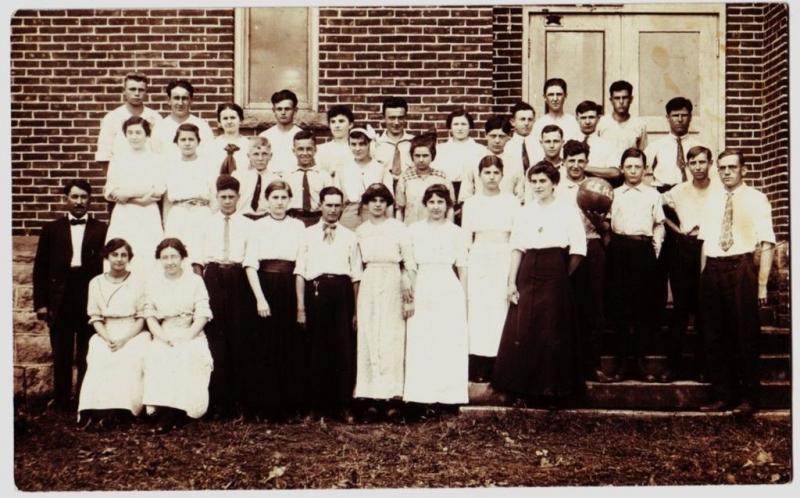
(270,276)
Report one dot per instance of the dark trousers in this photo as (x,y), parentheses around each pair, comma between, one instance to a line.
(684,280)
(233,307)
(307,217)
(330,307)
(69,337)
(633,295)
(588,281)
(729,301)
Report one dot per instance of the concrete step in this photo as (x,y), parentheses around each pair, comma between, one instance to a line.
(772,340)
(774,367)
(635,395)
(589,413)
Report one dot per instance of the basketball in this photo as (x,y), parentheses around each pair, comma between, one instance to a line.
(595,194)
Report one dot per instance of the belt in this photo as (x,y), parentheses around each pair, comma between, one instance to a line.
(300,212)
(642,238)
(728,259)
(230,264)
(276,266)
(383,264)
(191,202)
(329,276)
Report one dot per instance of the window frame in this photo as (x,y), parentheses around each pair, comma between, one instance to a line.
(262,111)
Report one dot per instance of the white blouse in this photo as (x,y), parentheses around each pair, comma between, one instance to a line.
(354,179)
(273,239)
(455,158)
(557,224)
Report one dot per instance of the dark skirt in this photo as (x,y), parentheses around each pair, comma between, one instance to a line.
(280,349)
(537,355)
(233,307)
(330,306)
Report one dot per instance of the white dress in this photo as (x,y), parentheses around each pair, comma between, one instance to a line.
(381,338)
(136,174)
(114,378)
(436,337)
(177,376)
(190,192)
(490,219)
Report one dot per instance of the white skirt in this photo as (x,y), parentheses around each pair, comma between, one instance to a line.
(177,376)
(488,267)
(436,341)
(114,379)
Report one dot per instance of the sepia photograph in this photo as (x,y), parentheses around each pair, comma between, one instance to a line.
(479,246)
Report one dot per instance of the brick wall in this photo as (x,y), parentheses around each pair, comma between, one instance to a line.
(507,57)
(439,59)
(66,70)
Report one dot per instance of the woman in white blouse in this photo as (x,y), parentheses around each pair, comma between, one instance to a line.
(537,360)
(228,151)
(362,171)
(278,344)
(460,153)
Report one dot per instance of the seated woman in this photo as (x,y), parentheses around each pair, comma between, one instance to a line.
(178,363)
(112,388)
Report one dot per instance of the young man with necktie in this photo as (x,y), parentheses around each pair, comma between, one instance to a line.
(393,146)
(306,180)
(254,180)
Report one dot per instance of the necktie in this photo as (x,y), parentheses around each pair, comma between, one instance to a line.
(526,163)
(81,221)
(306,192)
(229,163)
(586,139)
(328,233)
(256,194)
(396,164)
(726,234)
(226,244)
(680,161)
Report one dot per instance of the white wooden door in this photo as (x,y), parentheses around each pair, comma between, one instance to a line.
(663,55)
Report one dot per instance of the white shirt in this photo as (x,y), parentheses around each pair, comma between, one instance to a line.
(317,180)
(513,180)
(273,239)
(455,158)
(752,221)
(317,256)
(568,191)
(76,234)
(333,156)
(384,150)
(688,201)
(636,210)
(247,187)
(111,139)
(567,123)
(354,179)
(624,135)
(513,150)
(489,213)
(163,135)
(213,249)
(602,152)
(556,224)
(662,155)
(282,146)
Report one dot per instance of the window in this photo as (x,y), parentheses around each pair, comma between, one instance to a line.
(276,48)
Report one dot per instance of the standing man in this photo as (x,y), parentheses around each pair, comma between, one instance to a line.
(555,93)
(603,160)
(588,279)
(620,128)
(281,135)
(668,165)
(738,244)
(393,146)
(306,180)
(523,149)
(232,303)
(687,200)
(68,256)
(180,94)
(112,139)
(328,272)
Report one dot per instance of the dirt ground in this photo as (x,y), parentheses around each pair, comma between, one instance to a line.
(517,449)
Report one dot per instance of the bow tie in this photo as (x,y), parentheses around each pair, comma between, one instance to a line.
(329,226)
(74,221)
(231,148)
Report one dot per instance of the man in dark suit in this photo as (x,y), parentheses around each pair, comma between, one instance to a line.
(69,254)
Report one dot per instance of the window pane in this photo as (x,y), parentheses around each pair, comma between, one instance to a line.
(668,67)
(577,58)
(278,40)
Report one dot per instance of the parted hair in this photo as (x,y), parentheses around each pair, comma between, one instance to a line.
(173,243)
(437,189)
(490,160)
(545,167)
(114,244)
(136,120)
(377,190)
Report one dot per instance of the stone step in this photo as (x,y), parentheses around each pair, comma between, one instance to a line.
(774,367)
(635,395)
(589,413)
(771,340)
